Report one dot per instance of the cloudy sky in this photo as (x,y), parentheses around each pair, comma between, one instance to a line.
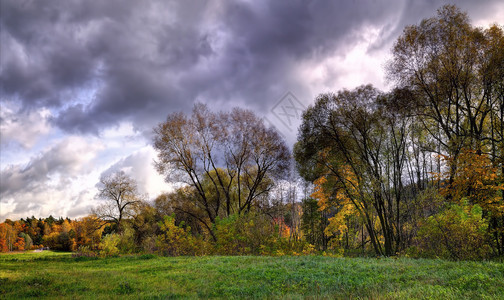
(84,82)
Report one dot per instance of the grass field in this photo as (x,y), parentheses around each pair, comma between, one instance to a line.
(58,275)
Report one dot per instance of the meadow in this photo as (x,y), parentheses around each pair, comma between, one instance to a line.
(59,275)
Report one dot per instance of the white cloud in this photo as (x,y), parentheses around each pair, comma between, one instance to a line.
(347,69)
(53,182)
(23,128)
(140,166)
(61,179)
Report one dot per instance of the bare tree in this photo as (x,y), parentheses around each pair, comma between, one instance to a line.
(119,191)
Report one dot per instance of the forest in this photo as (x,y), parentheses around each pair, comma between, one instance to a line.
(417,171)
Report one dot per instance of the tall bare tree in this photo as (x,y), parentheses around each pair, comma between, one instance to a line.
(119,192)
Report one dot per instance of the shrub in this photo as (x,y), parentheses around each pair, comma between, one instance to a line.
(458,232)
(177,240)
(108,245)
(255,234)
(126,240)
(244,235)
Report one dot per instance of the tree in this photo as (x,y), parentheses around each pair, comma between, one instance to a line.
(354,143)
(314,223)
(28,243)
(119,191)
(88,231)
(8,236)
(455,72)
(228,158)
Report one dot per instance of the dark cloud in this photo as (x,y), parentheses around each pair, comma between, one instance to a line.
(87,65)
(143,60)
(412,12)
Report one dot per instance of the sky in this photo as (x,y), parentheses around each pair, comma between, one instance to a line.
(83,83)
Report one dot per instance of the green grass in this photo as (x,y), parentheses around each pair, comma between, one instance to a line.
(58,275)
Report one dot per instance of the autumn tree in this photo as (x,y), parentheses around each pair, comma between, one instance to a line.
(88,231)
(119,192)
(377,152)
(228,158)
(455,73)
(8,237)
(356,146)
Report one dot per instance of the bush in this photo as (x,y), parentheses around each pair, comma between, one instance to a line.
(459,232)
(149,244)
(108,245)
(126,240)
(255,234)
(177,240)
(245,235)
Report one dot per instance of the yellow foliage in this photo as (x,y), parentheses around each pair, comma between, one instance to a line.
(475,178)
(337,224)
(177,240)
(340,201)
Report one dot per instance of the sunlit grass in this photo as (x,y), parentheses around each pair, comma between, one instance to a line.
(52,274)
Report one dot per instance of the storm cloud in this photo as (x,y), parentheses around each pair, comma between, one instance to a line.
(139,60)
(81,68)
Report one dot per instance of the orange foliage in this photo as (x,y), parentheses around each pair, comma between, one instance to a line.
(65,235)
(319,194)
(284,229)
(8,237)
(19,244)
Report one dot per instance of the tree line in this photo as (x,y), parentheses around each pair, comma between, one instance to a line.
(57,234)
(414,171)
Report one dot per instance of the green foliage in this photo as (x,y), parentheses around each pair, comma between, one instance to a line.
(27,240)
(254,234)
(126,244)
(245,235)
(108,245)
(458,232)
(145,227)
(313,223)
